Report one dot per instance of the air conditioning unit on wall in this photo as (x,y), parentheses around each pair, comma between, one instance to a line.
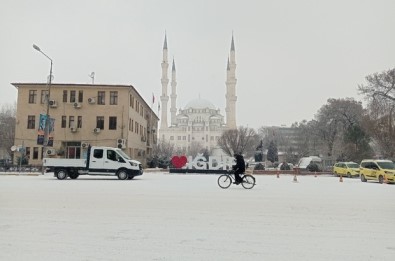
(96,130)
(53,104)
(50,152)
(73,129)
(77,105)
(84,145)
(121,143)
(91,100)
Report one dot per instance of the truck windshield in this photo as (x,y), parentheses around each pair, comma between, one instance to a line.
(123,154)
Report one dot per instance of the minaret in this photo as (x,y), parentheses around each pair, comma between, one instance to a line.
(165,81)
(231,97)
(173,96)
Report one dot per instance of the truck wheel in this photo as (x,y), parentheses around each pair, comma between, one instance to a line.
(61,174)
(363,179)
(130,177)
(122,174)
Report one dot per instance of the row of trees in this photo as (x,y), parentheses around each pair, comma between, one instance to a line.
(341,130)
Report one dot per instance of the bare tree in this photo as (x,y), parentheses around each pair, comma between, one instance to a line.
(163,149)
(7,126)
(380,94)
(380,86)
(195,148)
(238,140)
(380,125)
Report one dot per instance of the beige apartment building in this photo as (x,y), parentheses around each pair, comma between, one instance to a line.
(83,115)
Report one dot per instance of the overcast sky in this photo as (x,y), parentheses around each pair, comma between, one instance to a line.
(291,55)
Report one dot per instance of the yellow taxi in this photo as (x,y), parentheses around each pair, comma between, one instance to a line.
(378,170)
(346,169)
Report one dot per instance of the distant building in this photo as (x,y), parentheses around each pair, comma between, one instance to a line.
(84,114)
(200,122)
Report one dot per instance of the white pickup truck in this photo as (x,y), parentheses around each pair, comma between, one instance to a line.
(101,161)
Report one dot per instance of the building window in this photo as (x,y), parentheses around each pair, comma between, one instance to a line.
(32,96)
(184,137)
(80,96)
(101,98)
(100,122)
(141,130)
(179,138)
(79,122)
(71,122)
(136,127)
(27,155)
(141,110)
(171,137)
(64,96)
(112,123)
(113,98)
(137,106)
(131,101)
(72,96)
(44,96)
(31,122)
(131,129)
(35,152)
(64,120)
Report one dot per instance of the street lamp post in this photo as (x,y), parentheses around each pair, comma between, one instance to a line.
(47,121)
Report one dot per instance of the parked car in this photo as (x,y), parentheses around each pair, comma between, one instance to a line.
(311,163)
(346,169)
(378,170)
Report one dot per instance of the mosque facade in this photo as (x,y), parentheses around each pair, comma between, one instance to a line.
(200,123)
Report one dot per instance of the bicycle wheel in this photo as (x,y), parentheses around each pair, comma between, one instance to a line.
(224,181)
(248,181)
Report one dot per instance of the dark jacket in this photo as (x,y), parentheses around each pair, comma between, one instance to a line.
(240,164)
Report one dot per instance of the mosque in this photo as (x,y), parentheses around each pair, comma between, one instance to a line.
(200,123)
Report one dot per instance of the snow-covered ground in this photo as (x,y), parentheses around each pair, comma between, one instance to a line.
(161,216)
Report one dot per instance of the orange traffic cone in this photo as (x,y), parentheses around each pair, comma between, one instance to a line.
(341,178)
(295,178)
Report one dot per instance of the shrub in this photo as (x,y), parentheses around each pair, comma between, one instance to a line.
(259,166)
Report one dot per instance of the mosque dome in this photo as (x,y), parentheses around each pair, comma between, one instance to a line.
(200,104)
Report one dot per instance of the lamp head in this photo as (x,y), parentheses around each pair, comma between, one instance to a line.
(36,47)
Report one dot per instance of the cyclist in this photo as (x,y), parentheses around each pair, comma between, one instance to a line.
(239,168)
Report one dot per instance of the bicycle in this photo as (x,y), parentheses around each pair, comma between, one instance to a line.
(225,180)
